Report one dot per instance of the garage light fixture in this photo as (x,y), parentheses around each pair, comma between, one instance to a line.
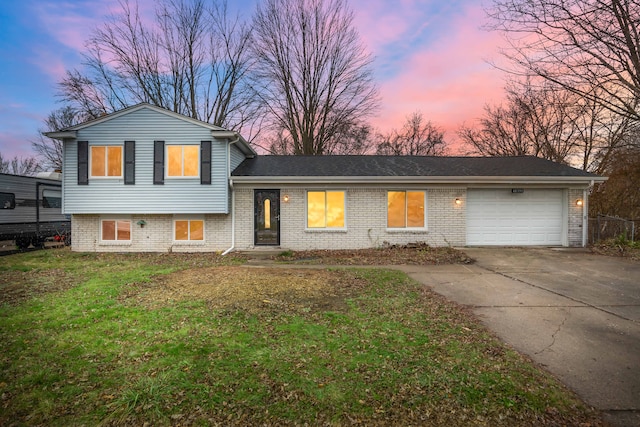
(458,201)
(579,202)
(285,198)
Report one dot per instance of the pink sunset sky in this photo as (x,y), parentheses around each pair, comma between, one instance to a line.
(430,56)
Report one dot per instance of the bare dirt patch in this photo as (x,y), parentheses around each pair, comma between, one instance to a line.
(251,289)
(411,254)
(18,286)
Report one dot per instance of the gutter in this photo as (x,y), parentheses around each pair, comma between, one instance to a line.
(233,220)
(233,195)
(61,135)
(470,181)
(585,214)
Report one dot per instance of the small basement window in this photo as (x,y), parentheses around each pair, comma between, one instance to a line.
(115,230)
(188,230)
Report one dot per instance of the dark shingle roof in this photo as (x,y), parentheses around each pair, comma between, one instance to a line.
(403,166)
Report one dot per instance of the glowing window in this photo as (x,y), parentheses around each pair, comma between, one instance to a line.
(116,230)
(106,161)
(189,230)
(325,209)
(267,214)
(183,160)
(405,209)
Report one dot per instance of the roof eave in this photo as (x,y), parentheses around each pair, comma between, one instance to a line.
(566,180)
(68,134)
(234,137)
(142,105)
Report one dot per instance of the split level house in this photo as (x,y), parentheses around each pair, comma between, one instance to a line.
(147,179)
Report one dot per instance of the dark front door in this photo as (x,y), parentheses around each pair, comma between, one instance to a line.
(266,204)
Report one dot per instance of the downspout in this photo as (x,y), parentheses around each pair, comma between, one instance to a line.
(585,214)
(233,197)
(233,219)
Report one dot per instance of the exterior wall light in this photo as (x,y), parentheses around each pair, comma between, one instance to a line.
(458,201)
(579,202)
(285,198)
(142,223)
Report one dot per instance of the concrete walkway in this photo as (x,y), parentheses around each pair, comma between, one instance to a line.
(576,314)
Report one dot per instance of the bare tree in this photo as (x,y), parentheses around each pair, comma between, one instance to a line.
(502,131)
(25,166)
(536,121)
(550,122)
(312,72)
(589,47)
(599,135)
(417,137)
(352,141)
(619,195)
(48,149)
(192,60)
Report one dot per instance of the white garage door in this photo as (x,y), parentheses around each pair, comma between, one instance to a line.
(502,217)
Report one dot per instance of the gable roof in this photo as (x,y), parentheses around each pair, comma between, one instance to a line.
(407,169)
(70,132)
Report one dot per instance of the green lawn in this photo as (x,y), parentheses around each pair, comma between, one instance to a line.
(75,350)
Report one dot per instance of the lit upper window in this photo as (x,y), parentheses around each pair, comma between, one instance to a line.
(106,161)
(183,160)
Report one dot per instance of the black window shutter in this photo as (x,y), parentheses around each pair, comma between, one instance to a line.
(129,162)
(205,162)
(83,163)
(158,162)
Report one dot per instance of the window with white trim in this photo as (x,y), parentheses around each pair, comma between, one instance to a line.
(325,209)
(115,230)
(106,161)
(183,161)
(406,209)
(188,230)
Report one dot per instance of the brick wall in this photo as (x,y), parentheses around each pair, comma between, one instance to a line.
(365,224)
(155,236)
(575,218)
(366,216)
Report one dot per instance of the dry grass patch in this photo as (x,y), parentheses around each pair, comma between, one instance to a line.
(250,289)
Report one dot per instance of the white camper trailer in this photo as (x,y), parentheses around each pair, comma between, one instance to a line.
(31,209)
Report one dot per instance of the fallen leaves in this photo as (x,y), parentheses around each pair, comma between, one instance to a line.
(411,254)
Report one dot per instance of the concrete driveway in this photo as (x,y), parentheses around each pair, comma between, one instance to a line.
(576,314)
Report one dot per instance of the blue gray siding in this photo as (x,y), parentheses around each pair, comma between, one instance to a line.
(185,195)
(236,157)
